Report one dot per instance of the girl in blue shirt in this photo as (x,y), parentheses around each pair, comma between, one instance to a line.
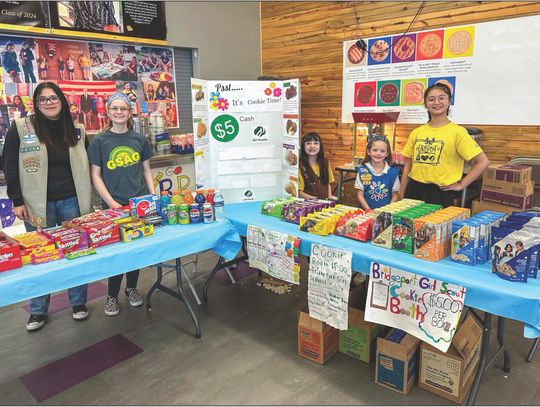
(377,182)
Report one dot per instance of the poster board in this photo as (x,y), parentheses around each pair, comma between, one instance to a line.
(491,68)
(427,308)
(144,73)
(246,137)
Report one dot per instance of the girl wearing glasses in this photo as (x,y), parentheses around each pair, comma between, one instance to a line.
(435,153)
(120,159)
(48,178)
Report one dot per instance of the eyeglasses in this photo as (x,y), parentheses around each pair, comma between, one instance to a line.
(119,109)
(43,100)
(440,98)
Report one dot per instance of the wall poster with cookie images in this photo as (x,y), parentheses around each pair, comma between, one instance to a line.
(88,72)
(483,64)
(247,137)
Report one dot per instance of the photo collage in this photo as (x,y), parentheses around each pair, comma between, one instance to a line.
(87,73)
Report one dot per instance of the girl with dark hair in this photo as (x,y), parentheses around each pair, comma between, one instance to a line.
(48,178)
(377,182)
(18,106)
(116,182)
(315,175)
(435,153)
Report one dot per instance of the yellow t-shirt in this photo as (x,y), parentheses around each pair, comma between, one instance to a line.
(438,154)
(317,171)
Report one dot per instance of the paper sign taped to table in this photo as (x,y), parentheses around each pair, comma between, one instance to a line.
(275,253)
(422,306)
(328,285)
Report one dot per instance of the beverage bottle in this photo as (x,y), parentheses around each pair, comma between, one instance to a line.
(177,198)
(219,207)
(210,196)
(164,200)
(199,198)
(188,198)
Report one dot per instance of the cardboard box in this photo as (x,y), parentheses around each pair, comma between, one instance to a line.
(317,341)
(396,363)
(510,188)
(519,174)
(10,253)
(514,201)
(479,206)
(450,375)
(359,340)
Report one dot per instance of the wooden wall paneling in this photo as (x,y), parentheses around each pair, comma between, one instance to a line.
(305,40)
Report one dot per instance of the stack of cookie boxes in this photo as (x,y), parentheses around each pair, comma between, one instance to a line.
(383,221)
(470,241)
(515,245)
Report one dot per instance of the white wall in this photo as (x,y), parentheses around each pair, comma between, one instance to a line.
(226,34)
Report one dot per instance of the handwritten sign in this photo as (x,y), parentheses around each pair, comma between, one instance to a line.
(328,285)
(275,253)
(422,306)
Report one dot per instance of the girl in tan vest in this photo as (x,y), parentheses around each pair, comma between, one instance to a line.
(48,178)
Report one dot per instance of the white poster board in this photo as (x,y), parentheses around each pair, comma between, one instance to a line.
(247,137)
(328,285)
(491,67)
(424,307)
(273,252)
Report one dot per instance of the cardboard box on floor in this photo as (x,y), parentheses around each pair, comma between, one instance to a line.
(396,364)
(317,341)
(450,375)
(359,340)
(479,206)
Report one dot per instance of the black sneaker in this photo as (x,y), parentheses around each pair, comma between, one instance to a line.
(80,312)
(36,322)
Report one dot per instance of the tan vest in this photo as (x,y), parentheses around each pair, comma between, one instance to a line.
(33,169)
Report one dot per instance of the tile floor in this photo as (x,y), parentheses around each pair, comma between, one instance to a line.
(247,355)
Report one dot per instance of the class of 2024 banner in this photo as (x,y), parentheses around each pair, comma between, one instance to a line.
(424,307)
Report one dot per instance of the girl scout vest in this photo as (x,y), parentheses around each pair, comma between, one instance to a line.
(33,169)
(377,188)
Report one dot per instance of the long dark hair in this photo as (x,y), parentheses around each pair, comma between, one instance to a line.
(44,127)
(445,89)
(373,139)
(321,161)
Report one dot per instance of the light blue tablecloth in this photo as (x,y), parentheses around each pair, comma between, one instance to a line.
(485,291)
(167,243)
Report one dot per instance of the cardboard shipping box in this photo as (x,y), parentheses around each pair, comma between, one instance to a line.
(479,206)
(518,201)
(359,340)
(510,188)
(450,375)
(396,363)
(317,341)
(519,174)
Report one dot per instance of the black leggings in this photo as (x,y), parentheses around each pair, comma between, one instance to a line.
(429,193)
(115,281)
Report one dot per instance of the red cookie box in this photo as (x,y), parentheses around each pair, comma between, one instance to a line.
(100,233)
(10,253)
(355,226)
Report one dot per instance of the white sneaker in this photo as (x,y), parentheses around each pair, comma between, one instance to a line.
(36,322)
(134,298)
(111,307)
(80,312)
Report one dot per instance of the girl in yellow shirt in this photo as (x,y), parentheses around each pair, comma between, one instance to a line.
(435,153)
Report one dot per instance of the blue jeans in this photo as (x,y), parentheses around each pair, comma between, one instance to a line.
(58,212)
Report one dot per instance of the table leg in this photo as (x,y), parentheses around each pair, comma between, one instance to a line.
(154,287)
(184,299)
(217,267)
(483,359)
(500,340)
(533,349)
(340,186)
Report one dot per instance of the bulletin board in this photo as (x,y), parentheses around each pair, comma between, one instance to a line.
(492,69)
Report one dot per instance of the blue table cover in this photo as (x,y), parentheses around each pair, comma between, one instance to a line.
(167,243)
(485,291)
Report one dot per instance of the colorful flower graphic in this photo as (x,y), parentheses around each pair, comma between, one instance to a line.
(378,190)
(277,92)
(214,104)
(268,91)
(214,96)
(223,104)
(272,85)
